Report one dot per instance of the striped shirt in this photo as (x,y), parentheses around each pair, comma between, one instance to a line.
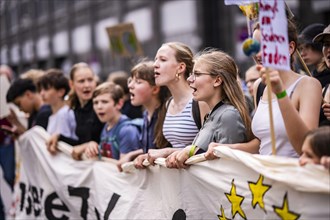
(180,129)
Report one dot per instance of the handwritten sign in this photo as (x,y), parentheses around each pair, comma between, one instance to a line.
(123,40)
(240,2)
(274,34)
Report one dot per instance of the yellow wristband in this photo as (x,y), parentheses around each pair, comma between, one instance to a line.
(281,94)
(192,150)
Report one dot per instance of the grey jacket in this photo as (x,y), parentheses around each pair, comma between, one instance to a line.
(224,125)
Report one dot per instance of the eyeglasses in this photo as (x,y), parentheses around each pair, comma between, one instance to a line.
(251,81)
(193,75)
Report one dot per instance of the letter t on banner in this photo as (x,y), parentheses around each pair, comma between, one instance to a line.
(274,34)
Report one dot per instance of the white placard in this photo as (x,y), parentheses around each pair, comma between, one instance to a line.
(240,2)
(274,34)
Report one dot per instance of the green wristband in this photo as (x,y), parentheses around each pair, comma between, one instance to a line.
(281,94)
(192,150)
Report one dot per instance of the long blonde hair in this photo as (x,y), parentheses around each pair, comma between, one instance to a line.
(221,64)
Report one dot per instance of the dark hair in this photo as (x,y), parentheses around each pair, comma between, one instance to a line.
(308,33)
(119,78)
(54,78)
(320,141)
(145,70)
(19,87)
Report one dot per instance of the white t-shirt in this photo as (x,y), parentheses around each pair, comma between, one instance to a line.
(63,122)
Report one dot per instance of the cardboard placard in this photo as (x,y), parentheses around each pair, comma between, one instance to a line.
(123,40)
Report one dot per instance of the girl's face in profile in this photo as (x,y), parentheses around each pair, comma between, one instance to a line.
(202,83)
(308,156)
(141,91)
(166,66)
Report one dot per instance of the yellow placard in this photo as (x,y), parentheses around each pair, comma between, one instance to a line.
(123,40)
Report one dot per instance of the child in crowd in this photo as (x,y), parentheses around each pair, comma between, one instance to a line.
(117,137)
(324,67)
(144,92)
(214,80)
(88,126)
(311,52)
(316,147)
(23,93)
(120,78)
(53,88)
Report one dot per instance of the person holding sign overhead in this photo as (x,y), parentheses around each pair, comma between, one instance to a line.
(295,99)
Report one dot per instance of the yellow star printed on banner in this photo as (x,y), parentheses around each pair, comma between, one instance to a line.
(236,201)
(284,212)
(222,216)
(258,191)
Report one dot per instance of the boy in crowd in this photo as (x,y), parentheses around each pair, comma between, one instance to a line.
(23,93)
(119,136)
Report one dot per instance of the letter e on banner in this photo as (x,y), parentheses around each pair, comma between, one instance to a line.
(274,34)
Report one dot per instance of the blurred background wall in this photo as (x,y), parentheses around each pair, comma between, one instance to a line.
(58,33)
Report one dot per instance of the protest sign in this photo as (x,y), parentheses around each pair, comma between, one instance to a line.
(274,34)
(123,40)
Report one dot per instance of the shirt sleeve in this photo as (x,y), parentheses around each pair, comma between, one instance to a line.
(231,128)
(128,139)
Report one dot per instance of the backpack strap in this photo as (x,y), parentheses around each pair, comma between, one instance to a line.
(325,90)
(137,122)
(196,114)
(260,91)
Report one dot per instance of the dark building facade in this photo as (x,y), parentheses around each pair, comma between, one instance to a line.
(58,33)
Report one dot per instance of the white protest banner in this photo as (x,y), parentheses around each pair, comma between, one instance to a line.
(274,34)
(240,2)
(236,186)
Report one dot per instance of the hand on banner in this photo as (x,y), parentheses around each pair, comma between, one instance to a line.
(138,162)
(92,149)
(172,160)
(77,151)
(153,154)
(180,157)
(125,158)
(325,161)
(209,153)
(274,76)
(52,143)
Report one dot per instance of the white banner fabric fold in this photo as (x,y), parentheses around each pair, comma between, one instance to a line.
(236,186)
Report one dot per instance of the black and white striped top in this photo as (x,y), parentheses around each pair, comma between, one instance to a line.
(180,129)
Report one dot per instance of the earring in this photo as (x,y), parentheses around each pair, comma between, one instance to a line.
(177,75)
